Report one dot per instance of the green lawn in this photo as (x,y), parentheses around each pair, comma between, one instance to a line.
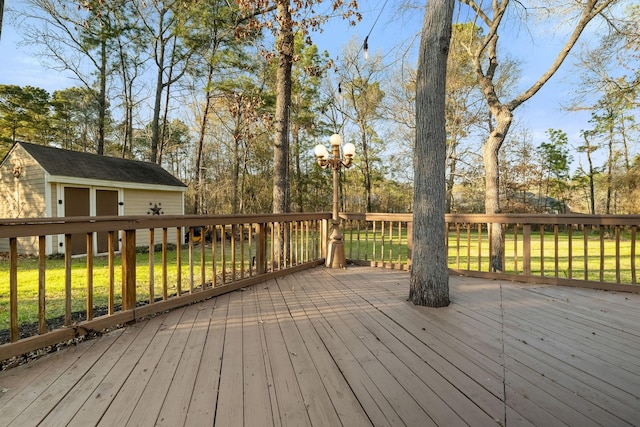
(55,281)
(464,256)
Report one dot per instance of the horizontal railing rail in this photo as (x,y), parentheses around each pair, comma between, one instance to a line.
(594,251)
(150,264)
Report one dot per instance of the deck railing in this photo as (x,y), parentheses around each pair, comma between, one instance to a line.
(48,299)
(594,251)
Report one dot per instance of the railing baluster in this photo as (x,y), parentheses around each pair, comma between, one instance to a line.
(541,249)
(617,228)
(190,249)
(633,255)
(42,274)
(457,245)
(165,279)
(366,241)
(203,262)
(504,247)
(570,250)
(601,253)
(242,250)
(468,246)
(515,248)
(223,255)
(585,235)
(152,255)
(214,259)
(67,279)
(111,260)
(307,251)
(480,246)
(233,252)
(400,264)
(13,289)
(251,252)
(129,270)
(374,257)
(556,248)
(526,249)
(89,308)
(178,261)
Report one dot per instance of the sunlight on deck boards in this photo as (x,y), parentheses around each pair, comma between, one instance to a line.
(343,347)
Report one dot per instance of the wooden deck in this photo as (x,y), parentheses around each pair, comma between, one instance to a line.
(334,347)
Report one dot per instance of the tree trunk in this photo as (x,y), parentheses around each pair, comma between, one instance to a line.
(607,209)
(283,102)
(301,189)
(429,282)
(366,170)
(453,160)
(490,151)
(155,122)
(197,197)
(102,101)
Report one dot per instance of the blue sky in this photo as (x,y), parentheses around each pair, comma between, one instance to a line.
(536,50)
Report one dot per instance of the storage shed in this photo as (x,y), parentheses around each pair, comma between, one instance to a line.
(43,182)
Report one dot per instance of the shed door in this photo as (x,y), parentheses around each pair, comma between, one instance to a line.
(106,205)
(76,203)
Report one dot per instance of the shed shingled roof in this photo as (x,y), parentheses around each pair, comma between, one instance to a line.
(60,162)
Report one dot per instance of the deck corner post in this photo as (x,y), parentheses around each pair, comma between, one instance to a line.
(128,269)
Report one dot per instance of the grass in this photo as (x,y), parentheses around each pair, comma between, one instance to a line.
(372,247)
(55,281)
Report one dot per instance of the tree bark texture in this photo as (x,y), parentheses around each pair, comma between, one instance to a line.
(102,100)
(490,152)
(429,282)
(283,102)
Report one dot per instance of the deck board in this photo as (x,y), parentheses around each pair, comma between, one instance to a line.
(344,347)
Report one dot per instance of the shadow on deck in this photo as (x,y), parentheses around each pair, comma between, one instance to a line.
(344,347)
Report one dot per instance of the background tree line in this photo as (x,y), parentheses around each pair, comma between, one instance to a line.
(194,86)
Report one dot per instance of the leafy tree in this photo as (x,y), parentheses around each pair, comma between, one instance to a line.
(363,94)
(218,53)
(161,25)
(24,114)
(284,18)
(128,68)
(307,73)
(72,36)
(463,100)
(76,118)
(555,162)
(520,173)
(592,171)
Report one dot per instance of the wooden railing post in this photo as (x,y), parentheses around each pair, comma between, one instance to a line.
(526,249)
(324,238)
(13,289)
(128,269)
